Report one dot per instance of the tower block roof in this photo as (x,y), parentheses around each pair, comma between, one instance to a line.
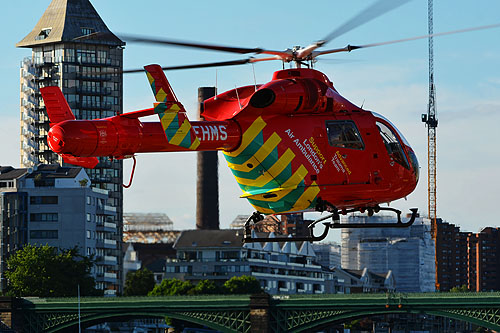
(70,21)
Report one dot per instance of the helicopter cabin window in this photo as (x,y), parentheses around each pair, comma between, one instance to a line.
(392,145)
(344,134)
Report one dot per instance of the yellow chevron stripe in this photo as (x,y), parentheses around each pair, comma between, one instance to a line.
(174,107)
(288,186)
(249,135)
(307,197)
(302,203)
(161,96)
(181,133)
(150,78)
(166,120)
(259,156)
(296,178)
(276,169)
(195,144)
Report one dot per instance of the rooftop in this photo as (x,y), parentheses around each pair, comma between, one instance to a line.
(70,21)
(9,173)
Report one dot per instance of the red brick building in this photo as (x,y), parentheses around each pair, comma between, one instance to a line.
(484,260)
(464,258)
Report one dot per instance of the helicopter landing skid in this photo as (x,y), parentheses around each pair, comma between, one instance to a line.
(335,216)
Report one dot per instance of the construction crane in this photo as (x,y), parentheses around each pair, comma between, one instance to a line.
(430,119)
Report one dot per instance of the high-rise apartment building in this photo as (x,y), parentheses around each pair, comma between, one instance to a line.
(407,252)
(450,266)
(467,259)
(71,48)
(54,205)
(485,265)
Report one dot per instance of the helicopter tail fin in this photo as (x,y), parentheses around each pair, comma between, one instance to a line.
(173,117)
(56,105)
(162,90)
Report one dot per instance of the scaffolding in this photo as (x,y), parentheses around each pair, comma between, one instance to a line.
(407,252)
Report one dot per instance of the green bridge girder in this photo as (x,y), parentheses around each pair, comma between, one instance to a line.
(245,313)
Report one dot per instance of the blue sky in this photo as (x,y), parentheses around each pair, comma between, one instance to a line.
(391,80)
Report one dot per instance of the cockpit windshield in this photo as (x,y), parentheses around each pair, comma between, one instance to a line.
(392,125)
(391,142)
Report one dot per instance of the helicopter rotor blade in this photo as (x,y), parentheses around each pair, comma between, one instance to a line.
(349,48)
(205,65)
(375,10)
(180,43)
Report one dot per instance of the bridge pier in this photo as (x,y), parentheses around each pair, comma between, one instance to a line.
(7,316)
(259,313)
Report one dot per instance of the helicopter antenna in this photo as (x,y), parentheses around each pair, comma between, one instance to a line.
(237,96)
(254,79)
(215,97)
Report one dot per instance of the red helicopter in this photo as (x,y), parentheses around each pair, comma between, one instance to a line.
(293,144)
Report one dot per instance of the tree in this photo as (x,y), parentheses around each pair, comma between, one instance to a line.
(462,289)
(242,285)
(44,271)
(206,287)
(139,283)
(171,287)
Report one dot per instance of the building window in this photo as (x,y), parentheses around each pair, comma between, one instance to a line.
(43,34)
(44,217)
(44,200)
(43,234)
(87,31)
(89,234)
(89,218)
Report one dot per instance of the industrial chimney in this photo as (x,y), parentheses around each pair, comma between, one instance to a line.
(207,186)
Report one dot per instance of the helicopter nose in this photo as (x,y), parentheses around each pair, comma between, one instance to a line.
(414,164)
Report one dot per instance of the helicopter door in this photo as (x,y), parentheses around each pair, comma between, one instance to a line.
(346,147)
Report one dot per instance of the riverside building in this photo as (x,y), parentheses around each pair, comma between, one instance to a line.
(281,268)
(70,45)
(55,205)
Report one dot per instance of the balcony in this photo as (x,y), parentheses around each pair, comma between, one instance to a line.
(106,277)
(107,260)
(29,111)
(110,242)
(106,210)
(29,159)
(94,105)
(92,60)
(95,91)
(109,292)
(27,143)
(45,61)
(106,243)
(93,77)
(106,227)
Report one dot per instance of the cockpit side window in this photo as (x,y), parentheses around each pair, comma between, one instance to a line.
(392,145)
(344,134)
